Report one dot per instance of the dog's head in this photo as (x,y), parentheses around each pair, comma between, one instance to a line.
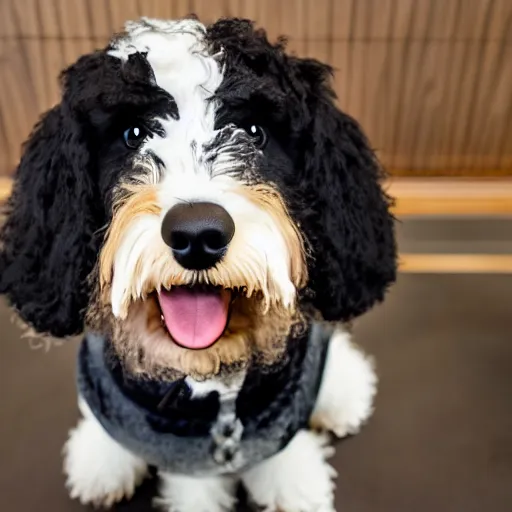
(195,194)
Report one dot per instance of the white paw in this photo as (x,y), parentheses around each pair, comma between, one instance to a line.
(298,479)
(180,493)
(99,471)
(349,383)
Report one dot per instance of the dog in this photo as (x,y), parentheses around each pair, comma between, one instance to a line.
(199,208)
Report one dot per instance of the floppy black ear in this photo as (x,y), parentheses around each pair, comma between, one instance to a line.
(349,224)
(46,251)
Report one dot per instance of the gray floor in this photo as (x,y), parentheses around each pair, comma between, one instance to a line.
(440,440)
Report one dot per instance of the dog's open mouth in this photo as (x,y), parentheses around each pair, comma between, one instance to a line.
(196,327)
(195,317)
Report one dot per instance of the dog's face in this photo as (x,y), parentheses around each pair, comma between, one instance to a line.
(194,196)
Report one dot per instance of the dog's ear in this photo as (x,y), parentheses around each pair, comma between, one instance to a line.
(46,249)
(349,224)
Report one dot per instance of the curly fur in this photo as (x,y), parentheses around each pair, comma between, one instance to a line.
(47,254)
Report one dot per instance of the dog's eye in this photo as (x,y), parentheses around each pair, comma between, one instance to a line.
(134,136)
(258,135)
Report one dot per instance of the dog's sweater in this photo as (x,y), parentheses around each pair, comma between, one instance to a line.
(164,425)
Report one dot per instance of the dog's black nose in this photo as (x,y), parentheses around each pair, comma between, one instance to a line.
(198,234)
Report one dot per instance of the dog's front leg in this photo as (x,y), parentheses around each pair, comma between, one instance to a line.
(297,479)
(349,384)
(99,471)
(179,493)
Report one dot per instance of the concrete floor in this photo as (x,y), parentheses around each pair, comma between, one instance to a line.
(440,439)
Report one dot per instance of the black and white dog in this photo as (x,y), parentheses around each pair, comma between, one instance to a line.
(199,207)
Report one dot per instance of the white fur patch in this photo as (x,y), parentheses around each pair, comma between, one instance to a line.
(178,56)
(99,471)
(193,170)
(226,389)
(298,479)
(180,493)
(349,382)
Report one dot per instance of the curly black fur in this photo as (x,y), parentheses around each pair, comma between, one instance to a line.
(47,237)
(317,156)
(348,221)
(63,186)
(333,186)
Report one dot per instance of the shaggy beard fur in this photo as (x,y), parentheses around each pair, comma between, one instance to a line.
(263,303)
(254,334)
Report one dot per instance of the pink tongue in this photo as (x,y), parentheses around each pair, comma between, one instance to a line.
(195,319)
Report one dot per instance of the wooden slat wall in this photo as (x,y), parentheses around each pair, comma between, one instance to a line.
(430,80)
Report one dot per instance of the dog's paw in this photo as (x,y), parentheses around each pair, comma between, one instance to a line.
(180,493)
(99,471)
(103,495)
(104,491)
(298,479)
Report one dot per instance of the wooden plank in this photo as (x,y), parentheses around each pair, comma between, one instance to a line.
(396,55)
(49,18)
(375,31)
(504,151)
(467,82)
(380,20)
(75,20)
(54,63)
(476,16)
(7,25)
(25,18)
(500,25)
(404,13)
(473,28)
(28,28)
(35,73)
(72,49)
(416,77)
(293,22)
(157,9)
(352,98)
(451,197)
(5,145)
(445,15)
(433,126)
(403,18)
(429,122)
(18,101)
(341,62)
(453,206)
(244,8)
(122,11)
(376,113)
(181,8)
(318,29)
(491,107)
(342,17)
(101,19)
(267,18)
(209,10)
(455,263)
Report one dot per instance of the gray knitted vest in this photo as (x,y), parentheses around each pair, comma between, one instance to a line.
(162,424)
